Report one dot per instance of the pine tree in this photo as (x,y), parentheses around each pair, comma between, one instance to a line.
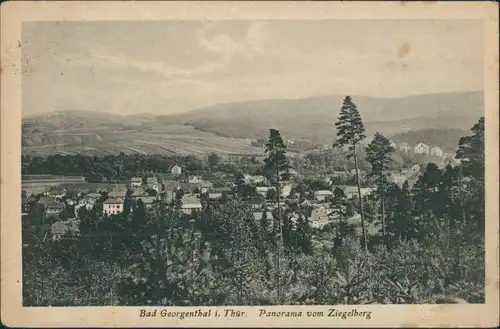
(288,231)
(276,168)
(378,155)
(350,131)
(471,151)
(303,228)
(400,222)
(339,205)
(426,193)
(265,229)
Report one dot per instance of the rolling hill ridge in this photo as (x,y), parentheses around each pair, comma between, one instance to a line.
(436,118)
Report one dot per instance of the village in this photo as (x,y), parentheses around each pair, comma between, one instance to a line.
(53,202)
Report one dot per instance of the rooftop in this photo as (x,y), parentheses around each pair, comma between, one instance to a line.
(113,201)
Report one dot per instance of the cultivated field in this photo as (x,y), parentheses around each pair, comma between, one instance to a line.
(103,139)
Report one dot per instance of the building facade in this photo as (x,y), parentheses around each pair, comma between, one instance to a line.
(112,206)
(421,148)
(176,170)
(437,151)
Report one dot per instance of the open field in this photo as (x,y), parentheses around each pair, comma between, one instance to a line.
(102,140)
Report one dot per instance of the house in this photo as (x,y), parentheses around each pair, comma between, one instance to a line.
(214,195)
(29,205)
(117,194)
(112,206)
(293,173)
(351,191)
(54,208)
(42,202)
(176,170)
(84,203)
(136,181)
(57,193)
(338,174)
(216,192)
(137,193)
(151,181)
(195,179)
(205,186)
(322,195)
(362,173)
(398,178)
(256,202)
(285,190)
(149,201)
(258,216)
(257,179)
(436,151)
(262,190)
(190,204)
(246,178)
(404,147)
(421,148)
(393,144)
(93,196)
(187,187)
(319,217)
(70,202)
(65,228)
(415,170)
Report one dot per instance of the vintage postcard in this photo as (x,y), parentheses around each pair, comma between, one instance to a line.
(249,164)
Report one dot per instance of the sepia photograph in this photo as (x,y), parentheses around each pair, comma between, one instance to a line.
(190,167)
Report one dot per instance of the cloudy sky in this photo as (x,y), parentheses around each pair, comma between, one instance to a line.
(175,66)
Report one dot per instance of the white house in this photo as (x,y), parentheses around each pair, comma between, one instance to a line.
(421,148)
(393,144)
(257,179)
(319,218)
(437,151)
(351,191)
(190,203)
(195,179)
(404,147)
(285,190)
(112,206)
(247,178)
(205,186)
(57,193)
(415,169)
(136,181)
(262,190)
(151,181)
(176,170)
(322,195)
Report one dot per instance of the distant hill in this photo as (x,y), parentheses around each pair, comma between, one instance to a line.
(447,139)
(314,117)
(225,128)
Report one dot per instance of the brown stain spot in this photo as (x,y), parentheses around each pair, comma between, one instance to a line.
(404,50)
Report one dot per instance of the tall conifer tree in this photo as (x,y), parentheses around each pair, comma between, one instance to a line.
(378,155)
(350,131)
(276,167)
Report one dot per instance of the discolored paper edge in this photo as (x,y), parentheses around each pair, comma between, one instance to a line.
(12,16)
